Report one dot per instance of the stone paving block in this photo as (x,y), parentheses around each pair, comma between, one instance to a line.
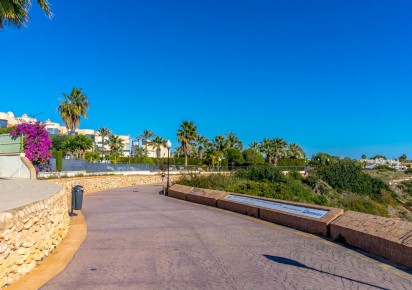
(206,196)
(179,191)
(238,207)
(386,237)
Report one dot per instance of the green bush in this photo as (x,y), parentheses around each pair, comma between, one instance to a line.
(212,181)
(360,203)
(408,170)
(265,172)
(252,157)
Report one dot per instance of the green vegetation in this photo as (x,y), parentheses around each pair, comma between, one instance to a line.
(72,108)
(15,13)
(58,154)
(331,181)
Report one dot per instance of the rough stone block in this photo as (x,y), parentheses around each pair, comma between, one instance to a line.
(386,237)
(179,191)
(205,196)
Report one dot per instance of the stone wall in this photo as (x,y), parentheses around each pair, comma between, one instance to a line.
(29,233)
(98,183)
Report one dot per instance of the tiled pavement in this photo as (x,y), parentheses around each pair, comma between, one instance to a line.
(138,239)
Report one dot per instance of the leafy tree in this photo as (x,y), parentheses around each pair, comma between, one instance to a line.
(147,135)
(37,143)
(252,157)
(7,130)
(116,145)
(186,135)
(58,141)
(379,157)
(233,142)
(83,143)
(157,143)
(278,149)
(266,148)
(92,156)
(403,158)
(72,108)
(363,156)
(234,156)
(15,12)
(178,152)
(70,146)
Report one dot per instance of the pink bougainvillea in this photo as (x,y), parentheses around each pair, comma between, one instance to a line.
(37,142)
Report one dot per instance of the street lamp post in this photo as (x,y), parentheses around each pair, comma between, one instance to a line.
(168,146)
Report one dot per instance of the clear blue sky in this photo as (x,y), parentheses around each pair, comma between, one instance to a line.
(333,76)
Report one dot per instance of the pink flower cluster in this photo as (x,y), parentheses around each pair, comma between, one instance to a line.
(37,142)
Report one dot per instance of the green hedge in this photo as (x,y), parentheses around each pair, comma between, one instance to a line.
(59,159)
(291,162)
(173,161)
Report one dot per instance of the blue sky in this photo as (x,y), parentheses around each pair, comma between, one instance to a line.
(333,76)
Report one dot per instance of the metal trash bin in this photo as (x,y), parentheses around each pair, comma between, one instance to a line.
(77,198)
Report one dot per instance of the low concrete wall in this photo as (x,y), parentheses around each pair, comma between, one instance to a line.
(205,196)
(16,166)
(29,233)
(179,191)
(247,209)
(386,237)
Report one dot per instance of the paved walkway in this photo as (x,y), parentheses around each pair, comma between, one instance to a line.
(15,193)
(140,240)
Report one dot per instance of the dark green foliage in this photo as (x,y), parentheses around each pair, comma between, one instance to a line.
(323,159)
(361,203)
(408,171)
(234,157)
(265,172)
(213,181)
(7,130)
(406,186)
(293,174)
(252,157)
(383,167)
(92,156)
(378,157)
(58,154)
(58,141)
(347,175)
(291,162)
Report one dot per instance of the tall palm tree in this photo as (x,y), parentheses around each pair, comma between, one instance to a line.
(72,108)
(233,141)
(116,145)
(266,148)
(146,135)
(295,151)
(104,132)
(157,142)
(186,135)
(254,145)
(16,12)
(200,144)
(278,149)
(220,143)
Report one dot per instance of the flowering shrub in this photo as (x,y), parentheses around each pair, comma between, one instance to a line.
(37,142)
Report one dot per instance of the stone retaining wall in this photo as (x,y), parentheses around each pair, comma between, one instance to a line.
(29,233)
(98,183)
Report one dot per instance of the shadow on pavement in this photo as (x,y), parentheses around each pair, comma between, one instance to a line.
(291,262)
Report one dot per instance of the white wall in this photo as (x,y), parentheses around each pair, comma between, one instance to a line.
(11,166)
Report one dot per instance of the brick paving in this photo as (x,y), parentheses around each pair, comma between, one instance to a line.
(138,239)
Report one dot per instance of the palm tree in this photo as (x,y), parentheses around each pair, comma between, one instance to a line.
(186,135)
(83,143)
(233,141)
(72,108)
(200,144)
(16,13)
(403,158)
(278,149)
(295,151)
(116,145)
(157,143)
(254,145)
(104,132)
(220,143)
(266,148)
(141,152)
(146,135)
